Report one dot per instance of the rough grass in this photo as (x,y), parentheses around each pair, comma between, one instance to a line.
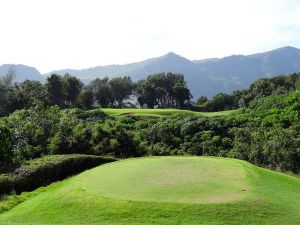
(159,112)
(270,197)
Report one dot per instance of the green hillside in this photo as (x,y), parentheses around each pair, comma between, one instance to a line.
(165,190)
(159,112)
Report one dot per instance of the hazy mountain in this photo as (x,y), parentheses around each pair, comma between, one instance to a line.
(22,72)
(239,71)
(207,76)
(204,77)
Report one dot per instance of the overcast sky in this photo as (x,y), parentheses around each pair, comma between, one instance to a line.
(57,34)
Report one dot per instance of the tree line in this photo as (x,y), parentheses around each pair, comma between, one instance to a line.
(159,90)
(162,90)
(243,98)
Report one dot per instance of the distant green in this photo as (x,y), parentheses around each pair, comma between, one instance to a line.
(159,112)
(163,190)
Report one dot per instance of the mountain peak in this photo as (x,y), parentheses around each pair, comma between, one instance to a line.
(170,55)
(289,47)
(286,48)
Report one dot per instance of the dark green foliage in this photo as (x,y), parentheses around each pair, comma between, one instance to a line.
(72,88)
(55,90)
(6,92)
(279,110)
(63,90)
(266,132)
(86,98)
(102,92)
(219,102)
(40,172)
(275,148)
(269,133)
(201,100)
(6,153)
(28,94)
(163,90)
(115,138)
(31,130)
(41,131)
(90,115)
(190,134)
(260,88)
(121,88)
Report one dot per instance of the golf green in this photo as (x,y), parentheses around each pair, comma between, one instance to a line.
(169,179)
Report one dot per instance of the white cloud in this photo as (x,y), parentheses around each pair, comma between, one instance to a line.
(54,34)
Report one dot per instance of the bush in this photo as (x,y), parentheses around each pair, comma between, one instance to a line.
(5,147)
(275,148)
(90,115)
(43,171)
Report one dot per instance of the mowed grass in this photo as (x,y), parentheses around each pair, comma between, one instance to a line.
(164,179)
(165,190)
(159,112)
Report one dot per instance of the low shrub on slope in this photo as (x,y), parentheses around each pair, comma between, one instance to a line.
(43,171)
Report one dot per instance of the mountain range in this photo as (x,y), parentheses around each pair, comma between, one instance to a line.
(22,72)
(204,77)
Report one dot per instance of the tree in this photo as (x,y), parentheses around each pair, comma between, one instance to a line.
(72,88)
(31,128)
(219,102)
(6,93)
(6,152)
(102,91)
(86,98)
(181,94)
(163,90)
(55,90)
(201,100)
(145,93)
(121,89)
(28,93)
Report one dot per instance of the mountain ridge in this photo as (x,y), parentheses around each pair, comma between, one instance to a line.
(205,76)
(22,72)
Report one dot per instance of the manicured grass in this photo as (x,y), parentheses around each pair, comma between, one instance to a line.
(159,112)
(164,190)
(165,179)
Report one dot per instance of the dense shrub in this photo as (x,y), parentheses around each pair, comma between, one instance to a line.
(260,88)
(31,130)
(41,131)
(275,148)
(6,153)
(43,171)
(89,115)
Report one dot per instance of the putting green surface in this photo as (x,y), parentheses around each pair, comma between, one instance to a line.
(162,190)
(169,179)
(159,112)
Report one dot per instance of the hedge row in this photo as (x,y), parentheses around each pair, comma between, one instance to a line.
(43,171)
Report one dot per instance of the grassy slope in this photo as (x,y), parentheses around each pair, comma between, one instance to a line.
(159,112)
(270,197)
